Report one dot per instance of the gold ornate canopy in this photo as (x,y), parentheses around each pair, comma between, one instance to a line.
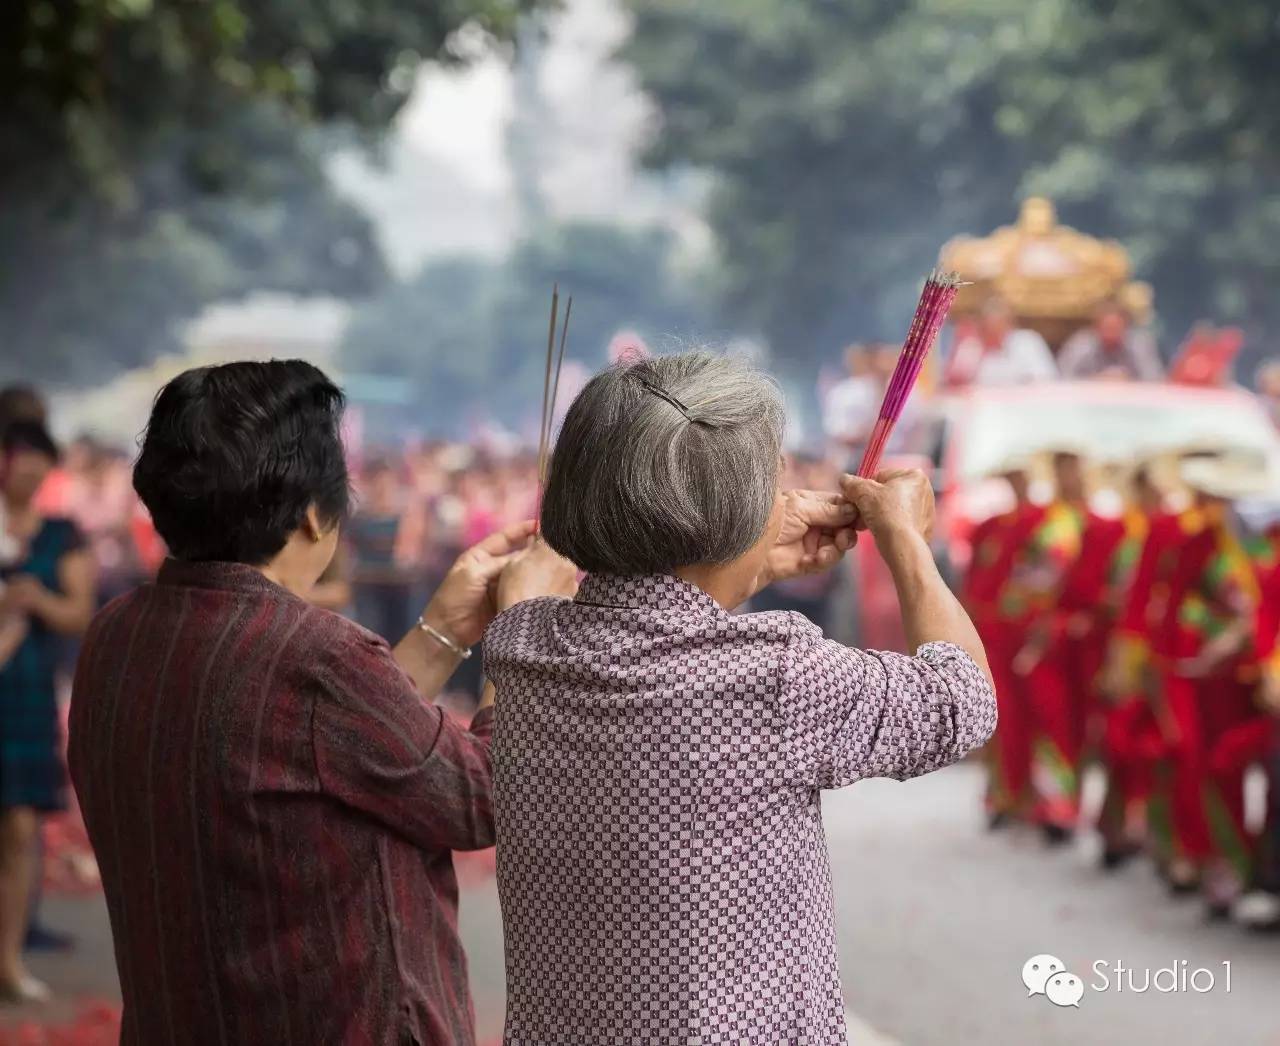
(1052,276)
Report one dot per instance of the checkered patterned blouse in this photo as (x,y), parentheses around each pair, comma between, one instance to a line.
(657,766)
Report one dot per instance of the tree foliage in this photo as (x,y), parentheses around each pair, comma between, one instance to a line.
(156,155)
(850,138)
(470,334)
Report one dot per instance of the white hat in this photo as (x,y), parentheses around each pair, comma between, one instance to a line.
(1064,446)
(1227,476)
(1006,465)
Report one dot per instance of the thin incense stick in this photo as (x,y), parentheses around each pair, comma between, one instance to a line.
(546,388)
(555,380)
(931,312)
(551,391)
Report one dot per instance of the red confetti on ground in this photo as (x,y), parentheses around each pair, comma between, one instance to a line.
(97,1024)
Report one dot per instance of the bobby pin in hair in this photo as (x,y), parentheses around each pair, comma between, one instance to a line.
(648,386)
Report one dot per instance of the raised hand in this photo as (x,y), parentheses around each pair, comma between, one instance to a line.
(816,531)
(896,498)
(539,570)
(467,598)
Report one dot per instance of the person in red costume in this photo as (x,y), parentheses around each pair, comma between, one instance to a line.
(1083,620)
(1128,734)
(1210,673)
(1260,740)
(996,542)
(1048,685)
(1142,729)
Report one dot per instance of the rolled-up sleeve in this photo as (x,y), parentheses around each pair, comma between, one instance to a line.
(852,714)
(381,749)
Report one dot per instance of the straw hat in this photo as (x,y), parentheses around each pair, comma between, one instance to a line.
(1230,477)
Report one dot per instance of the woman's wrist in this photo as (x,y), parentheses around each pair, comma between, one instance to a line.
(426,660)
(436,631)
(908,557)
(901,534)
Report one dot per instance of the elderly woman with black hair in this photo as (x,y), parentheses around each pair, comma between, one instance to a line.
(658,760)
(272,801)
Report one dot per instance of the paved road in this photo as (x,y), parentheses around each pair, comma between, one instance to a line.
(936,919)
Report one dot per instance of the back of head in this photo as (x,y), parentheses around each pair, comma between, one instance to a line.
(663,463)
(234,455)
(27,453)
(28,434)
(21,403)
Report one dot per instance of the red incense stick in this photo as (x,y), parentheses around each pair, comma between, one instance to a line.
(935,302)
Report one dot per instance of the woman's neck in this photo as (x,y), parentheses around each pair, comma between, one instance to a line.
(292,580)
(723,584)
(295,567)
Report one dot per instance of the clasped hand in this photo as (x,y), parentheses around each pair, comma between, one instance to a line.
(819,527)
(503,569)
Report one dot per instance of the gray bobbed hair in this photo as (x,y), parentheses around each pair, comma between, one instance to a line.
(636,487)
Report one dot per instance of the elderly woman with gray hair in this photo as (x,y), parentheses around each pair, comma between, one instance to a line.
(658,760)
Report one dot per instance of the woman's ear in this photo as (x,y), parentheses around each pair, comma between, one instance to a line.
(311,525)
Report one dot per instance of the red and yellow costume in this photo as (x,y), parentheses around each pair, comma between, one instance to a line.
(1139,729)
(1128,740)
(996,543)
(1213,591)
(1018,564)
(1045,686)
(1088,606)
(1254,738)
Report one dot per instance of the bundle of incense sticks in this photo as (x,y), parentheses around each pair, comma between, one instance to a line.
(935,302)
(551,387)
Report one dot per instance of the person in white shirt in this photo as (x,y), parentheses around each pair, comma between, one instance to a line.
(850,406)
(1111,348)
(1266,382)
(1000,352)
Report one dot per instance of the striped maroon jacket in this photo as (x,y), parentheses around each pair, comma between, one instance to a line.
(273,808)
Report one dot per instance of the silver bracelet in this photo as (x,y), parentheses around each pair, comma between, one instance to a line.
(463,652)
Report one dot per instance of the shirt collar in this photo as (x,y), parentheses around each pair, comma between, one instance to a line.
(645,592)
(217,574)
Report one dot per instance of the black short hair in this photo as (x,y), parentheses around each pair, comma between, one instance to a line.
(21,403)
(28,435)
(234,455)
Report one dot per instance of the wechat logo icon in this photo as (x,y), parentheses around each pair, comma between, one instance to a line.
(1047,975)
